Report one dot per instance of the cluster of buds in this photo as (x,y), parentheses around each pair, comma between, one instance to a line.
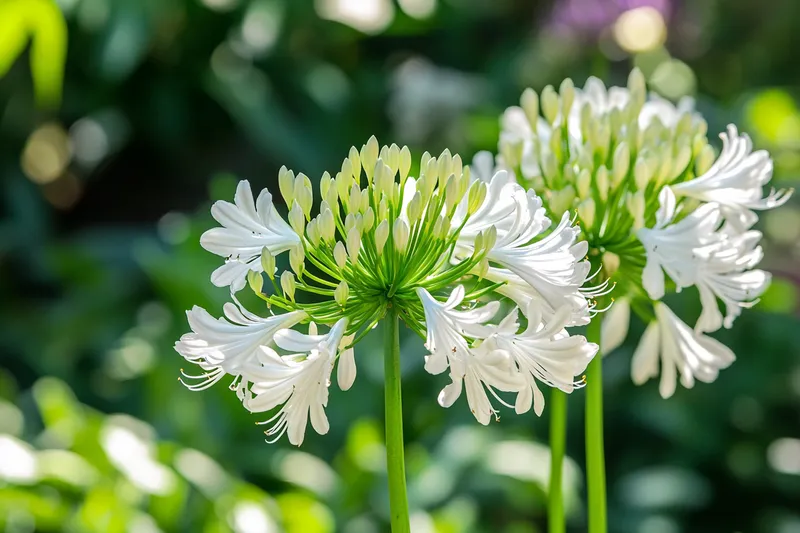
(651,198)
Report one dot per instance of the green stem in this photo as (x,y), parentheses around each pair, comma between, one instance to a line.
(395,462)
(595,455)
(556,521)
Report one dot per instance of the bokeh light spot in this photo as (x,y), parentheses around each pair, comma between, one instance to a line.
(783,455)
(47,153)
(673,79)
(368,16)
(419,9)
(640,29)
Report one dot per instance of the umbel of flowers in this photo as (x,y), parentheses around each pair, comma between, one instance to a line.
(658,209)
(442,251)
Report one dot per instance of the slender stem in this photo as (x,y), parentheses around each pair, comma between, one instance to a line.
(595,454)
(395,462)
(556,521)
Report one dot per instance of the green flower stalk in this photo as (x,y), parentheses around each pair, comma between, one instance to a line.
(441,252)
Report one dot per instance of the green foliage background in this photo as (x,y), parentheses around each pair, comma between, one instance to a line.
(166,103)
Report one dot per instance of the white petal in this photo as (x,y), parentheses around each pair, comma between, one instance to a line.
(614,327)
(450,393)
(346,369)
(645,359)
(524,400)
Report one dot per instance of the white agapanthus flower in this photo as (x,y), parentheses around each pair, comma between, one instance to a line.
(442,251)
(656,208)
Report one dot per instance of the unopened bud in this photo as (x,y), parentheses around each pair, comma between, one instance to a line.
(445,165)
(347,168)
(381,236)
(268,262)
(369,155)
(561,201)
(255,281)
(286,185)
(477,194)
(400,235)
(622,162)
(530,105)
(611,263)
(368,219)
(682,160)
(383,209)
(567,91)
(642,174)
(490,238)
(601,182)
(704,160)
(584,183)
(355,162)
(441,228)
(586,212)
(404,165)
(349,222)
(297,260)
(451,194)
(353,244)
(636,205)
(394,158)
(414,209)
(327,227)
(312,231)
(296,219)
(340,255)
(288,284)
(303,193)
(354,200)
(550,104)
(341,293)
(325,183)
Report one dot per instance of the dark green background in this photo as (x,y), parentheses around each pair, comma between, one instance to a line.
(166,111)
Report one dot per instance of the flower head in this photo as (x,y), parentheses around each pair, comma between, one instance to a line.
(654,206)
(442,249)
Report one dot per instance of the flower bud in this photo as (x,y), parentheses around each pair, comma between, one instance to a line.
(369,156)
(400,234)
(255,281)
(364,204)
(445,165)
(354,200)
(404,164)
(296,219)
(355,162)
(636,206)
(414,209)
(394,158)
(383,209)
(347,168)
(642,174)
(489,238)
(368,219)
(327,226)
(586,212)
(682,160)
(340,255)
(549,166)
(288,284)
(530,105)
(325,185)
(297,259)
(268,262)
(704,160)
(342,187)
(477,194)
(601,182)
(443,229)
(312,231)
(584,183)
(451,194)
(457,167)
(622,162)
(561,201)
(381,236)
(611,262)
(549,104)
(567,91)
(286,185)
(431,169)
(353,244)
(482,269)
(349,222)
(303,193)
(332,198)
(341,293)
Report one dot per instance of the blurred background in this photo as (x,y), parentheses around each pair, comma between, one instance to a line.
(107,177)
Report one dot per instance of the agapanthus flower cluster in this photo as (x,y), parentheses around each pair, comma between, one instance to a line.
(658,209)
(444,251)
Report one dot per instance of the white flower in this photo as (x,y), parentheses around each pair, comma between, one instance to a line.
(696,251)
(474,368)
(247,228)
(681,350)
(614,328)
(736,181)
(298,381)
(542,352)
(225,345)
(552,266)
